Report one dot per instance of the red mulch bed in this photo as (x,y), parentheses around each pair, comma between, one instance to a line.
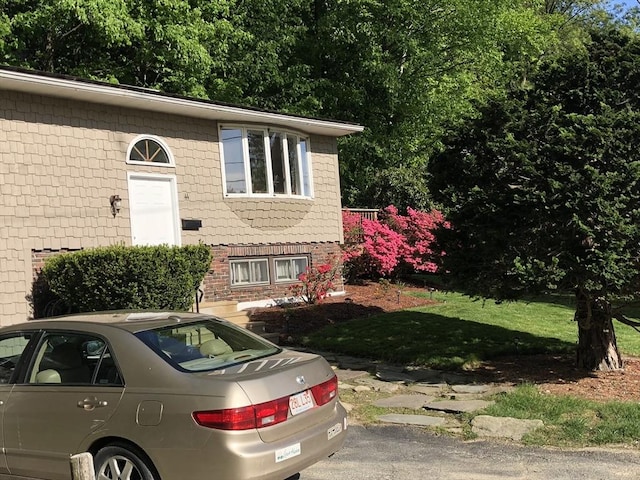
(555,374)
(360,301)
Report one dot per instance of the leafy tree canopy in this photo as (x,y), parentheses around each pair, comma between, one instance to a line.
(406,69)
(171,45)
(403,68)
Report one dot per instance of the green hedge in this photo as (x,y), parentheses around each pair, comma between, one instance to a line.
(119,277)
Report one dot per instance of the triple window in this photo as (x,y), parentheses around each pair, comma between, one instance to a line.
(259,271)
(264,162)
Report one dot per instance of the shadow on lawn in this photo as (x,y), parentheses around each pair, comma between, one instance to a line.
(410,337)
(422,338)
(414,337)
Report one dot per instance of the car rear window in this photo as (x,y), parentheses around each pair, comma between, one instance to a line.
(205,345)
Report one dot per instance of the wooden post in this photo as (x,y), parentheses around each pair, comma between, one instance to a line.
(82,467)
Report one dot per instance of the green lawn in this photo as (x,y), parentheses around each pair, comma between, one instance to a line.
(570,421)
(460,331)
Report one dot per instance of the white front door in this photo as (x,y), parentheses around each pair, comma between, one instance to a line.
(153,203)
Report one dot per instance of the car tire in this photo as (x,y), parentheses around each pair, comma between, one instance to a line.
(116,462)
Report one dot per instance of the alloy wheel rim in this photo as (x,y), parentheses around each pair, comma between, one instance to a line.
(118,468)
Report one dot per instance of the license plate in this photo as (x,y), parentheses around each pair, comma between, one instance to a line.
(300,402)
(334,431)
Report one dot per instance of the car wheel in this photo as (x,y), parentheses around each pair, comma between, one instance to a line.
(114,462)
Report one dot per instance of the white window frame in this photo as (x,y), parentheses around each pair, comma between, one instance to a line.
(160,142)
(266,131)
(289,259)
(249,261)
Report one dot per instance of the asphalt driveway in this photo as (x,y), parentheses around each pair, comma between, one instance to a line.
(396,452)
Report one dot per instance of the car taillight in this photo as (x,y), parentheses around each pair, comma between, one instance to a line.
(271,413)
(245,418)
(325,392)
(228,419)
(263,414)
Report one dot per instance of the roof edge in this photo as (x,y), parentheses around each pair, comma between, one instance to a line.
(92,91)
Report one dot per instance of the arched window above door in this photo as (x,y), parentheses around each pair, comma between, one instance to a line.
(145,150)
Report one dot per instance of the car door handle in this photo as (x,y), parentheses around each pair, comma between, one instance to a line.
(91,403)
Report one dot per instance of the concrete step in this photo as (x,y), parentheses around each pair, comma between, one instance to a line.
(229,311)
(239,318)
(255,327)
(219,308)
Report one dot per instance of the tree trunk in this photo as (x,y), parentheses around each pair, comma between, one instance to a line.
(597,345)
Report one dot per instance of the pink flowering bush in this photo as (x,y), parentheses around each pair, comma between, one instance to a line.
(352,228)
(382,247)
(316,283)
(417,228)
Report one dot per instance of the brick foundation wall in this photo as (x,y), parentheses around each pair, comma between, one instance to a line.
(217,283)
(38,257)
(43,302)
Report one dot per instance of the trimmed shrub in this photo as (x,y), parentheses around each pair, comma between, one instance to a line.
(119,277)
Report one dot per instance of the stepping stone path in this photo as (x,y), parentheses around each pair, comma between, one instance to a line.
(421,420)
(415,402)
(445,393)
(458,406)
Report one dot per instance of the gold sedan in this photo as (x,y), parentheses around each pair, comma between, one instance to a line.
(161,396)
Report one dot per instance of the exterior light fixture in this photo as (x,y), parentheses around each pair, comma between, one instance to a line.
(116,204)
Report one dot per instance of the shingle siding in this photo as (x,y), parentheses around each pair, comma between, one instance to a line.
(61,160)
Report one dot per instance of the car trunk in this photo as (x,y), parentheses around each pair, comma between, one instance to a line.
(284,374)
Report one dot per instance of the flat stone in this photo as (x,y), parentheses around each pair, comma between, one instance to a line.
(391,368)
(457,378)
(483,392)
(346,375)
(361,388)
(392,375)
(425,375)
(458,406)
(378,385)
(352,363)
(435,390)
(506,427)
(415,402)
(471,388)
(421,420)
(461,396)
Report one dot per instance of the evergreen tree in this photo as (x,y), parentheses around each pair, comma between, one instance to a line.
(543,191)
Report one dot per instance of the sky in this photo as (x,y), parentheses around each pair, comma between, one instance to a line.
(626,3)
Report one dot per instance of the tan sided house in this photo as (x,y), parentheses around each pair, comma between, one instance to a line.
(86,164)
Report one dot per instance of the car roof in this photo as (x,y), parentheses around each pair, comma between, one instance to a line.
(133,321)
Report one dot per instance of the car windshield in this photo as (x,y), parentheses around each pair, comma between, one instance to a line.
(205,345)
